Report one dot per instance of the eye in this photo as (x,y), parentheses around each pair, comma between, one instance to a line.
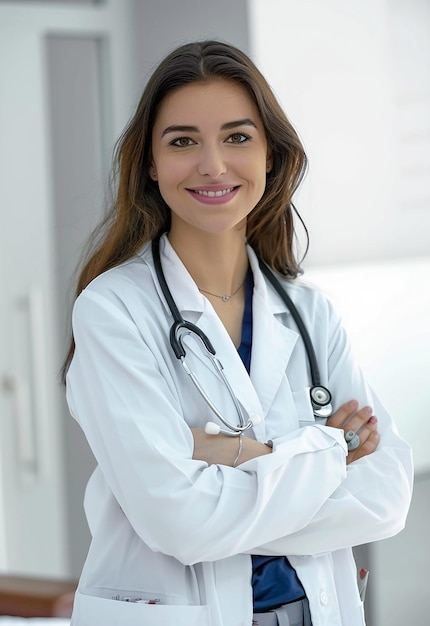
(182,142)
(239,138)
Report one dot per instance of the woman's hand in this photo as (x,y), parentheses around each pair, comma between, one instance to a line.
(362,422)
(223,450)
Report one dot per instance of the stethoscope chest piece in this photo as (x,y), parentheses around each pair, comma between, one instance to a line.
(321,401)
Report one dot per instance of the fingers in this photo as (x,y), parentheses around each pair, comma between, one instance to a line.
(345,412)
(368,446)
(349,417)
(362,422)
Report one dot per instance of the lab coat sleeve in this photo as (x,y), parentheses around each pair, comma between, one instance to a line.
(121,394)
(373,501)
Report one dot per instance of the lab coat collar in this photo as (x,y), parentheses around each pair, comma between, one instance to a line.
(187,297)
(272,345)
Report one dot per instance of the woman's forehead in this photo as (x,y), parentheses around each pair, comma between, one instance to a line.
(216,101)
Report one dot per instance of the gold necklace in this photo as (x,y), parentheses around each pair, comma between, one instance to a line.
(224,298)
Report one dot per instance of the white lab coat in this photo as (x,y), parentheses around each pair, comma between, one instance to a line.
(171,528)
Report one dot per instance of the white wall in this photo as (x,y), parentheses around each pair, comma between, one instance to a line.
(385,308)
(353,77)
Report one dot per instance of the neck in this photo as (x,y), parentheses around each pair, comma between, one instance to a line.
(218,263)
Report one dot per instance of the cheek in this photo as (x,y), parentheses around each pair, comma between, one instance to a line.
(254,167)
(260,181)
(171,176)
(260,174)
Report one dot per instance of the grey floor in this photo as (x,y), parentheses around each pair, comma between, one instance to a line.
(399,580)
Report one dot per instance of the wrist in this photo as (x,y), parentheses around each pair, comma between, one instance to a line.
(239,451)
(251,449)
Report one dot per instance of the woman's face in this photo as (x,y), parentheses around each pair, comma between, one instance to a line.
(209,156)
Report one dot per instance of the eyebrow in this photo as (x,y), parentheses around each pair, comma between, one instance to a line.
(179,128)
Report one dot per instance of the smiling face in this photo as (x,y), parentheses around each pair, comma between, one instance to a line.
(209,156)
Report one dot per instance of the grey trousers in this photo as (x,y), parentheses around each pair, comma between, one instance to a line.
(293,614)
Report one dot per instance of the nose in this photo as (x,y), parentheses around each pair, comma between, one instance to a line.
(212,162)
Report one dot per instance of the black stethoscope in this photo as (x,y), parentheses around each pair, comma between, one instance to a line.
(320,396)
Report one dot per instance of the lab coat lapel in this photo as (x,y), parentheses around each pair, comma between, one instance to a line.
(272,346)
(234,369)
(272,343)
(197,309)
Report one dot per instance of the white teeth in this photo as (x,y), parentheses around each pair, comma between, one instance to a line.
(215,194)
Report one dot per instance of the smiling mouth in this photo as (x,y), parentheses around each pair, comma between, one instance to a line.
(213,194)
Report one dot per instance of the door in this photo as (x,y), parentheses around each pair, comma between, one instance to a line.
(45,49)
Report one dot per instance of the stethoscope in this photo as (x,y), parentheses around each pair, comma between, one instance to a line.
(320,396)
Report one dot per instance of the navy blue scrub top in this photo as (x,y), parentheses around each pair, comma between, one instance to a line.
(274,581)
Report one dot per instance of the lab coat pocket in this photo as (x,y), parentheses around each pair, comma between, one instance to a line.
(94,610)
(305,413)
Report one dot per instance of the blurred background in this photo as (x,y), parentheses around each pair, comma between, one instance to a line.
(354,78)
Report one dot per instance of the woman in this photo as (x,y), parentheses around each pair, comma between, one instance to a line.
(194,528)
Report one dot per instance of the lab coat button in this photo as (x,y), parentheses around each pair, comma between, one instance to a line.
(323,597)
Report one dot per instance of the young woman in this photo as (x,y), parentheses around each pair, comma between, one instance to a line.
(190,527)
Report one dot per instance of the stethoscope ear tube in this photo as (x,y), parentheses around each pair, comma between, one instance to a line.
(180,327)
(320,395)
(162,280)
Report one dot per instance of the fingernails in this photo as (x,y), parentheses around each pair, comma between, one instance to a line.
(368,410)
(353,404)
(372,420)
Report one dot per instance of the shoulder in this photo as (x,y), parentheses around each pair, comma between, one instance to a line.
(302,290)
(306,294)
(119,290)
(313,305)
(129,274)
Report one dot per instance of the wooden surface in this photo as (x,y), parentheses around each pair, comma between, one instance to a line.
(36,597)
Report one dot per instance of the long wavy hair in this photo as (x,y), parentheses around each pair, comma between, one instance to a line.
(139,213)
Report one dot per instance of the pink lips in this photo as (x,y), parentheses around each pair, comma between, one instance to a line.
(216,194)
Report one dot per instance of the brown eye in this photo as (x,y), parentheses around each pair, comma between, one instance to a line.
(182,142)
(238,138)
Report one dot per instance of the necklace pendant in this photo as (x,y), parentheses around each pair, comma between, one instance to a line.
(225,298)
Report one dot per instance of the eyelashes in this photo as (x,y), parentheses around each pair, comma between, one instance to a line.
(182,142)
(239,138)
(234,138)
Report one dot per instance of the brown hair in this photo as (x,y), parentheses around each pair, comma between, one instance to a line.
(140,214)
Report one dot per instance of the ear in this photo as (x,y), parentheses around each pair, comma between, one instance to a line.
(269,162)
(153,172)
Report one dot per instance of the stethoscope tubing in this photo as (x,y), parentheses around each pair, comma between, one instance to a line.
(320,395)
(181,328)
(310,352)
